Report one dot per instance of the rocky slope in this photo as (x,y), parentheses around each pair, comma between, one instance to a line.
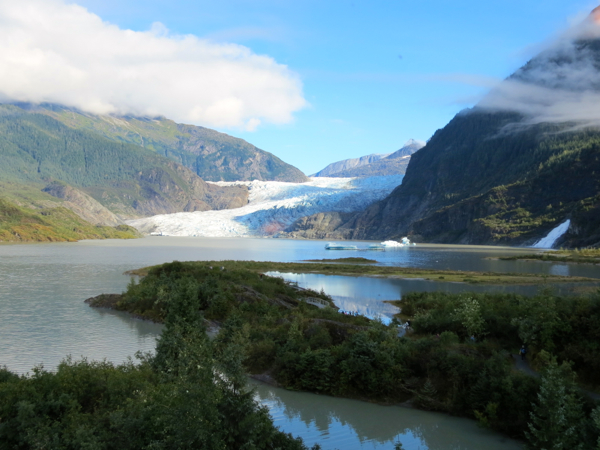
(511,169)
(213,156)
(100,179)
(374,165)
(334,168)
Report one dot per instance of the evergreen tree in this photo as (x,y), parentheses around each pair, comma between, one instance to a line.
(596,419)
(557,416)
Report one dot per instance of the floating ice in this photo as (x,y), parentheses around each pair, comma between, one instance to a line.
(404,243)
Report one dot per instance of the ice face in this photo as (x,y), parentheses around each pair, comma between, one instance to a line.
(273,206)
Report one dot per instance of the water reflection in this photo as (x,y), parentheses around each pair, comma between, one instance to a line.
(350,424)
(367,295)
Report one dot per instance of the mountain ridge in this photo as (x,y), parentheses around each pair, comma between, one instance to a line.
(212,155)
(39,151)
(375,164)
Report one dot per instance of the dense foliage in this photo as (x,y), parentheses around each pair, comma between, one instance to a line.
(211,155)
(190,395)
(568,327)
(53,225)
(37,149)
(321,350)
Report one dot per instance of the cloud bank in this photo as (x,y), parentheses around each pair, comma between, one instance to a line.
(55,52)
(561,84)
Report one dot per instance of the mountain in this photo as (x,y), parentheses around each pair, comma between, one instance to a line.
(509,170)
(376,164)
(116,180)
(393,164)
(213,156)
(334,168)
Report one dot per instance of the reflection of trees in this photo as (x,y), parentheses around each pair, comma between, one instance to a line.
(381,424)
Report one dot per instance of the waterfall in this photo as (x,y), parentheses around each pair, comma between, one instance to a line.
(552,237)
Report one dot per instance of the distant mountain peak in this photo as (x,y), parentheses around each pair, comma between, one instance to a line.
(595,14)
(414,143)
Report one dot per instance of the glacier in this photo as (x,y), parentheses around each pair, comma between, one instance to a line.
(273,206)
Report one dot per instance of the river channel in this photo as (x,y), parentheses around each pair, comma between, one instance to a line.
(43,319)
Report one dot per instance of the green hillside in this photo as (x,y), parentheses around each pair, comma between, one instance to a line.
(52,225)
(37,150)
(211,155)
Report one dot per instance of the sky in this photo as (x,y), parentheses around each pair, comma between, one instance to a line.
(312,82)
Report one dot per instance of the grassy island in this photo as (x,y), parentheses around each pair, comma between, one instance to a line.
(350,260)
(368,270)
(581,256)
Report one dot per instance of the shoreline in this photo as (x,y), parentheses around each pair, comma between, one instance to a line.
(373,271)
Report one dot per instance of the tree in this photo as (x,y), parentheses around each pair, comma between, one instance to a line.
(469,314)
(596,419)
(557,415)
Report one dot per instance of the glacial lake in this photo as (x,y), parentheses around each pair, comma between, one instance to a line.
(43,319)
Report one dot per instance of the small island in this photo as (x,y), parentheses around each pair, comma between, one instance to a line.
(576,256)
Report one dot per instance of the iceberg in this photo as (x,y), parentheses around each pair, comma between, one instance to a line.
(391,244)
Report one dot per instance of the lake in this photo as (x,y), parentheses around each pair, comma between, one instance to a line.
(43,319)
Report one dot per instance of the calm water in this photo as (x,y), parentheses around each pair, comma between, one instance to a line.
(43,319)
(339,423)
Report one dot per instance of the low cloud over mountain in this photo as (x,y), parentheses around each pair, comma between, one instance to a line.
(561,84)
(57,52)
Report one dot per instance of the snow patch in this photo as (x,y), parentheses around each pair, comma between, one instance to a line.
(552,237)
(273,206)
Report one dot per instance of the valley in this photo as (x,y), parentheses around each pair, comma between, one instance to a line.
(167,282)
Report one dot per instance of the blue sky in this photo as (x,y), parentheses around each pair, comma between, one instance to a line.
(374,74)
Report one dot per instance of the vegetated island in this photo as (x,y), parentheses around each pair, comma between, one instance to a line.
(351,260)
(364,270)
(577,256)
(57,224)
(458,356)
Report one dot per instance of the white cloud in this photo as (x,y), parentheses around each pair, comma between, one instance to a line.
(51,51)
(561,84)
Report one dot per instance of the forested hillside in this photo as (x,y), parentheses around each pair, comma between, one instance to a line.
(512,187)
(213,156)
(38,150)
